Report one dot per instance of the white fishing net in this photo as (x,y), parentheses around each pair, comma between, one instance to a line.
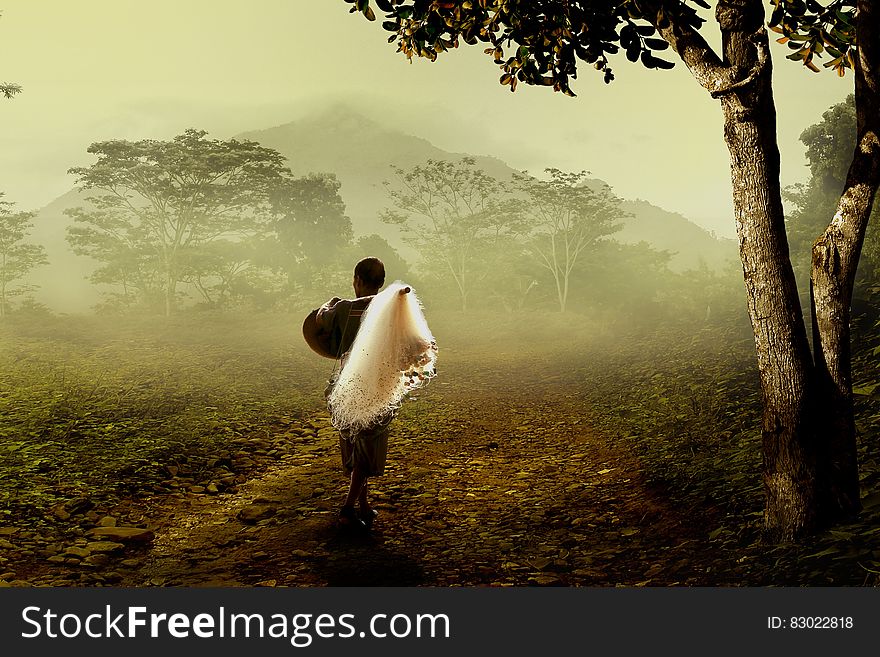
(393,353)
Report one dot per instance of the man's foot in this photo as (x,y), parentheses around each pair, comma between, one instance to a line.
(348,518)
(368,515)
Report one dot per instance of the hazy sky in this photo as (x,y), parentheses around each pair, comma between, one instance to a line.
(102,69)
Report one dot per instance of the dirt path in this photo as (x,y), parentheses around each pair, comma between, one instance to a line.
(481,488)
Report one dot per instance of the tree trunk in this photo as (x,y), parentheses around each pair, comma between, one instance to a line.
(835,259)
(169,295)
(784,360)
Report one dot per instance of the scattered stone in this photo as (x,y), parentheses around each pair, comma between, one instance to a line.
(196,489)
(60,512)
(8,531)
(107,521)
(130,563)
(105,546)
(212,489)
(256,512)
(122,534)
(97,559)
(79,505)
(79,552)
(58,558)
(6,545)
(8,575)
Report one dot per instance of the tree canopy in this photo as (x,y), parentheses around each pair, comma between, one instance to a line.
(456,216)
(541,43)
(157,205)
(568,214)
(17,256)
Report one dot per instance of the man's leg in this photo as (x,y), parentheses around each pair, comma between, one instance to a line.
(367,513)
(362,498)
(357,487)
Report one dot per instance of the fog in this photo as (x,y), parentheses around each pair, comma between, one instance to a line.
(195,178)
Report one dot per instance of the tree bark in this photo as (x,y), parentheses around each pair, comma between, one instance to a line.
(835,259)
(784,359)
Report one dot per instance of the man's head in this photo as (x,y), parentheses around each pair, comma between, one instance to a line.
(369,276)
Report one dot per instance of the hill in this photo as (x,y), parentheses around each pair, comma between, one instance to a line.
(361,152)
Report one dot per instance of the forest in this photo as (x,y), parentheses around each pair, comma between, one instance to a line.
(599,416)
(632,404)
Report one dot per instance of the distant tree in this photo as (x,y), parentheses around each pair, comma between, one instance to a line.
(377,246)
(17,257)
(218,269)
(829,148)
(158,204)
(809,447)
(312,229)
(568,217)
(456,216)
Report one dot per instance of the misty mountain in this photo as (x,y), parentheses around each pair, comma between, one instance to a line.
(670,231)
(361,152)
(63,283)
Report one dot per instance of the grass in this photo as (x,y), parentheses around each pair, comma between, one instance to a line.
(92,405)
(95,406)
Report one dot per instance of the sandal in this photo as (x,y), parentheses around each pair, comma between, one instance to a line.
(348,518)
(367,517)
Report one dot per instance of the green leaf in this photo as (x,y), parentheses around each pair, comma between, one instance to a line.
(823,553)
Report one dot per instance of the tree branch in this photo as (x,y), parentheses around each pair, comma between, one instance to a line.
(703,62)
(760,42)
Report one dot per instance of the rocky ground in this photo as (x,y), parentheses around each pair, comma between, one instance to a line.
(480,489)
(169,462)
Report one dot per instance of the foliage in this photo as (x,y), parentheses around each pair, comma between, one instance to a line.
(811,28)
(829,147)
(457,217)
(534,43)
(17,257)
(376,246)
(97,406)
(312,228)
(8,89)
(568,217)
(541,43)
(625,283)
(159,204)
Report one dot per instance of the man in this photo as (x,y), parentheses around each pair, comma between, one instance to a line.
(363,452)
